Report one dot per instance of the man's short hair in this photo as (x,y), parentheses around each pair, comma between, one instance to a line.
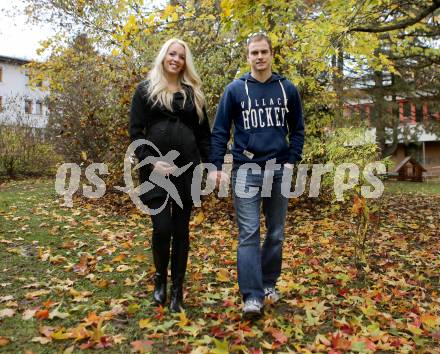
(259,36)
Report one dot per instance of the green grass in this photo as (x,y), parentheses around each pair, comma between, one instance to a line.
(33,223)
(431,187)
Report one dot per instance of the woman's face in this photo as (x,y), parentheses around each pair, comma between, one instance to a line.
(174,62)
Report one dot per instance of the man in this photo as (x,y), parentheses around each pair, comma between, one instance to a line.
(268,127)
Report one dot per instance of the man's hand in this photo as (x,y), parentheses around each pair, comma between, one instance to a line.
(163,168)
(218,177)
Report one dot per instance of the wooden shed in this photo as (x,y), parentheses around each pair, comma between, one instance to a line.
(409,169)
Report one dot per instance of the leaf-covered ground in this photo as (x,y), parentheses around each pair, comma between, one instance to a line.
(81,278)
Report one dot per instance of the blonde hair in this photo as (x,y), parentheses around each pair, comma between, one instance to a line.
(157,82)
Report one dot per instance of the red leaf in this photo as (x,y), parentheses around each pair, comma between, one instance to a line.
(279,336)
(314,262)
(255,351)
(218,332)
(142,346)
(346,329)
(48,304)
(160,312)
(338,342)
(436,335)
(104,343)
(42,314)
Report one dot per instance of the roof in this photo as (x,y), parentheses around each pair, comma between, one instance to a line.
(409,159)
(12,60)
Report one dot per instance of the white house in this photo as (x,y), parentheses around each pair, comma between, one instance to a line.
(18,101)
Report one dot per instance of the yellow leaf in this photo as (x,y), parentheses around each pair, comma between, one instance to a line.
(223,275)
(118,339)
(429,320)
(273,38)
(41,340)
(145,323)
(61,335)
(115,52)
(168,11)
(119,258)
(33,294)
(414,330)
(123,268)
(267,345)
(199,218)
(184,321)
(174,17)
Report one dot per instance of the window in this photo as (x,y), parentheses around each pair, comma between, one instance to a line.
(419,112)
(28,106)
(39,108)
(362,112)
(407,109)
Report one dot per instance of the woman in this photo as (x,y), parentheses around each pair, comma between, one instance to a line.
(168,109)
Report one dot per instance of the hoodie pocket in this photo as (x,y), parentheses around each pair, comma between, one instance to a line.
(267,144)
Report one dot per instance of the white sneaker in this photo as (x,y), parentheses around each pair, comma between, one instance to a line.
(271,294)
(252,308)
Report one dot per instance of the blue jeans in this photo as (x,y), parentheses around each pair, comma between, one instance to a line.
(258,267)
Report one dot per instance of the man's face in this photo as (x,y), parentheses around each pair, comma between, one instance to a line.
(259,56)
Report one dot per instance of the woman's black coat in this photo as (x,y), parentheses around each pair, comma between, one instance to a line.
(178,130)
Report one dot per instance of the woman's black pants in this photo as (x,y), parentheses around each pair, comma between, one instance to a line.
(170,227)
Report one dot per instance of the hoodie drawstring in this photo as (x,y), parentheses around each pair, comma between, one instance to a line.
(249,98)
(285,97)
(247,94)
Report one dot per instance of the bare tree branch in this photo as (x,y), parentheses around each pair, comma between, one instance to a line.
(401,24)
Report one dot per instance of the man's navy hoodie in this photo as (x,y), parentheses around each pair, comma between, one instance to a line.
(268,122)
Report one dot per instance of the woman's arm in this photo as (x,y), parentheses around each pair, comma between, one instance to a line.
(203,137)
(138,121)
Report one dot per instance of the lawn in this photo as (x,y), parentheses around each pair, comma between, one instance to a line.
(79,278)
(430,186)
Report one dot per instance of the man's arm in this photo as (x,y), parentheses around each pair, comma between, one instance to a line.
(296,127)
(221,130)
(220,136)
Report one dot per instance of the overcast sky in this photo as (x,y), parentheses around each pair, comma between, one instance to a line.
(17,38)
(20,39)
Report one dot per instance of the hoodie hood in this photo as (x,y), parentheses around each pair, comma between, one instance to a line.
(275,77)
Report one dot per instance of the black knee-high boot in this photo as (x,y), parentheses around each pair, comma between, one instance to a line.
(179,259)
(162,231)
(161,255)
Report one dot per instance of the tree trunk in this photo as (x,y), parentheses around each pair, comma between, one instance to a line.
(338,82)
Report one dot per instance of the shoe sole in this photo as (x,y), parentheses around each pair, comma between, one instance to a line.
(252,316)
(268,300)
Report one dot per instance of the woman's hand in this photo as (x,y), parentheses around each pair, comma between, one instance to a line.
(163,168)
